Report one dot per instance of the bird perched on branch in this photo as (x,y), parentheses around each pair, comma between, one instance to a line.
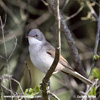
(42,55)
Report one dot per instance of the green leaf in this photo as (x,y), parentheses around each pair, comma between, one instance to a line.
(29,93)
(96,73)
(96,57)
(93,91)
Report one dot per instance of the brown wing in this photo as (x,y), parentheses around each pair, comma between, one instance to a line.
(51,52)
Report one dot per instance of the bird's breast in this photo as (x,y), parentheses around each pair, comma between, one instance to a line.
(40,59)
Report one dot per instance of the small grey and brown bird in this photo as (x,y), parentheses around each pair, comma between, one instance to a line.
(42,55)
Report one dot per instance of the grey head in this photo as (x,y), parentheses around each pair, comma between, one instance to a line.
(37,34)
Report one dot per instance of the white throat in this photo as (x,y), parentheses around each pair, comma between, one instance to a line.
(34,41)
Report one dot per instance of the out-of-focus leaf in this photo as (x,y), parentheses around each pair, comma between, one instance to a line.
(29,93)
(96,57)
(93,91)
(96,73)
(98,91)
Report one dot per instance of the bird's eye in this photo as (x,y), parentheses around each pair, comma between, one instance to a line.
(36,35)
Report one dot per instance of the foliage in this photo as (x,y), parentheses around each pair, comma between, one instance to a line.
(96,73)
(96,57)
(30,93)
(93,91)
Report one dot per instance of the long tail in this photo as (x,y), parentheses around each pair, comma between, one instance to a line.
(77,75)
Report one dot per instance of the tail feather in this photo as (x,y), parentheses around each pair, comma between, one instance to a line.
(77,75)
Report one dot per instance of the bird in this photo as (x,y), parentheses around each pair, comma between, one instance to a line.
(42,55)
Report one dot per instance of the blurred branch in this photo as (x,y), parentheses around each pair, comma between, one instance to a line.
(96,42)
(73,48)
(2,28)
(71,42)
(65,3)
(15,44)
(9,77)
(7,89)
(92,10)
(12,34)
(57,54)
(29,74)
(89,89)
(5,48)
(2,57)
(38,21)
(18,71)
(4,42)
(75,14)
(53,95)
(7,10)
(26,6)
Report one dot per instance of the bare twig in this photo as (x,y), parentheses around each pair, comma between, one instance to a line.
(8,77)
(53,95)
(94,1)
(92,10)
(71,42)
(3,24)
(38,21)
(73,48)
(89,89)
(45,3)
(2,57)
(5,48)
(2,28)
(26,6)
(76,13)
(18,84)
(18,72)
(6,9)
(7,89)
(65,3)
(15,44)
(96,43)
(10,90)
(29,74)
(57,54)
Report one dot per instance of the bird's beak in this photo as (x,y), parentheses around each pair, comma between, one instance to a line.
(28,36)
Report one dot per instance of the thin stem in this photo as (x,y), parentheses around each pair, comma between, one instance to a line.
(96,43)
(57,54)
(2,28)
(53,95)
(76,13)
(29,74)
(13,48)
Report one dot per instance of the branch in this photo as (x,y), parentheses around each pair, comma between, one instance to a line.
(29,74)
(96,42)
(18,71)
(7,10)
(71,42)
(95,16)
(72,46)
(76,13)
(57,54)
(2,28)
(53,95)
(89,89)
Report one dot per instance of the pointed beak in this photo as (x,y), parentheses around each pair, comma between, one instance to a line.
(27,36)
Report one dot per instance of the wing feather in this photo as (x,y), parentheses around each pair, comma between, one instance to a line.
(51,52)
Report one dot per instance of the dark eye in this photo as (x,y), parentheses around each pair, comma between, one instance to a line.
(36,35)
